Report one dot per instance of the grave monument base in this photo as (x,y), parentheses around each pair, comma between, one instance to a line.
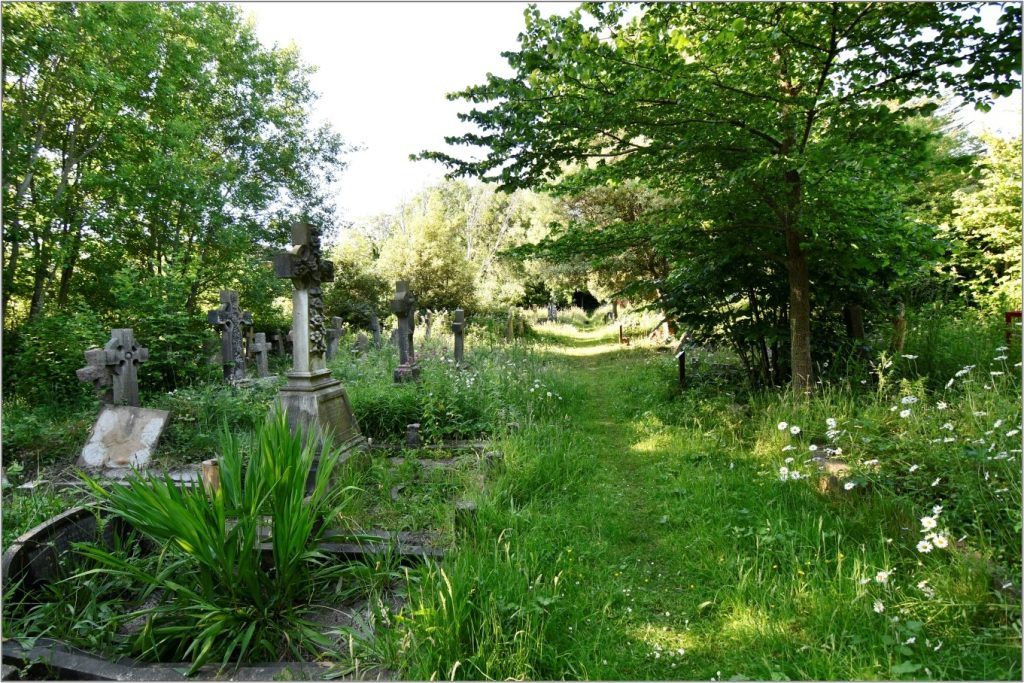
(317,403)
(407,373)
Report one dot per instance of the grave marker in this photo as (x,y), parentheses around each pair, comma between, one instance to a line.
(458,329)
(115,365)
(375,329)
(333,337)
(229,319)
(278,339)
(362,344)
(314,401)
(404,307)
(123,436)
(260,349)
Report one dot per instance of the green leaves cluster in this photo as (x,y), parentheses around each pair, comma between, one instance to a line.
(217,598)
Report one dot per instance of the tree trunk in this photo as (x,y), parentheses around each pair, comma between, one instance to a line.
(799,314)
(899,329)
(853,316)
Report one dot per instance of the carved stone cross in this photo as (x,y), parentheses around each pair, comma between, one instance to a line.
(333,336)
(375,329)
(115,365)
(229,319)
(404,307)
(459,329)
(278,339)
(306,268)
(260,347)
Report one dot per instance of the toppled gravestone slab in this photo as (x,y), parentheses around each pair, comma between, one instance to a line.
(123,436)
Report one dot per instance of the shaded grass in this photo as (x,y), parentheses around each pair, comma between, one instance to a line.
(680,555)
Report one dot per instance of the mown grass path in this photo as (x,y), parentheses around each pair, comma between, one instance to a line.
(682,558)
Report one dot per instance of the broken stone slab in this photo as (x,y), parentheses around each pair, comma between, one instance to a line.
(412,435)
(123,436)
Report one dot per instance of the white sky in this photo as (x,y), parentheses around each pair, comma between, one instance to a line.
(384,69)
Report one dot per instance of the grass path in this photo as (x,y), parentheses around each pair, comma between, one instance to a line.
(680,559)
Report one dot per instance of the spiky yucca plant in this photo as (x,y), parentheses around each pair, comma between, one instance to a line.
(218,597)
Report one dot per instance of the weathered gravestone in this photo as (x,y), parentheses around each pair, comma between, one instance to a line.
(260,348)
(375,329)
(459,330)
(510,326)
(314,401)
(123,436)
(278,339)
(229,319)
(404,307)
(428,323)
(116,365)
(552,312)
(361,344)
(333,337)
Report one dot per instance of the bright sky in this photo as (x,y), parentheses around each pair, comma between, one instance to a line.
(383,71)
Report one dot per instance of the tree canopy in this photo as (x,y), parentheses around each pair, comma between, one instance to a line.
(779,125)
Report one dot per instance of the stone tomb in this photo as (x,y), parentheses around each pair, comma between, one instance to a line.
(315,402)
(123,436)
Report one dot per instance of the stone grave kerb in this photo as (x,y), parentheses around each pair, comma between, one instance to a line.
(230,319)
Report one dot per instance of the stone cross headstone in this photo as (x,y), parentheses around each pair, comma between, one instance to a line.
(229,319)
(250,339)
(312,399)
(116,365)
(260,348)
(278,339)
(361,344)
(428,322)
(459,329)
(404,307)
(333,337)
(375,329)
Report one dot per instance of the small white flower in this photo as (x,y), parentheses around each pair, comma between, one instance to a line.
(783,426)
(1013,432)
(913,468)
(909,356)
(941,405)
(911,640)
(940,541)
(789,447)
(788,460)
(865,581)
(837,451)
(924,547)
(783,473)
(879,607)
(936,510)
(908,400)
(831,423)
(905,413)
(794,475)
(882,577)
(848,485)
(794,430)
(949,384)
(869,463)
(893,409)
(980,413)
(928,523)
(549,394)
(948,439)
(813,447)
(936,482)
(996,373)
(947,426)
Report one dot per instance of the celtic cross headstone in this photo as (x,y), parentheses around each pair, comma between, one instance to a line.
(229,319)
(115,365)
(312,399)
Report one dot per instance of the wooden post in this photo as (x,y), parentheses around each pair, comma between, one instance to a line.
(211,477)
(682,368)
(1008,320)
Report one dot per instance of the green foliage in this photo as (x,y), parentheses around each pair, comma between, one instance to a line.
(218,602)
(24,510)
(41,358)
(39,436)
(985,231)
